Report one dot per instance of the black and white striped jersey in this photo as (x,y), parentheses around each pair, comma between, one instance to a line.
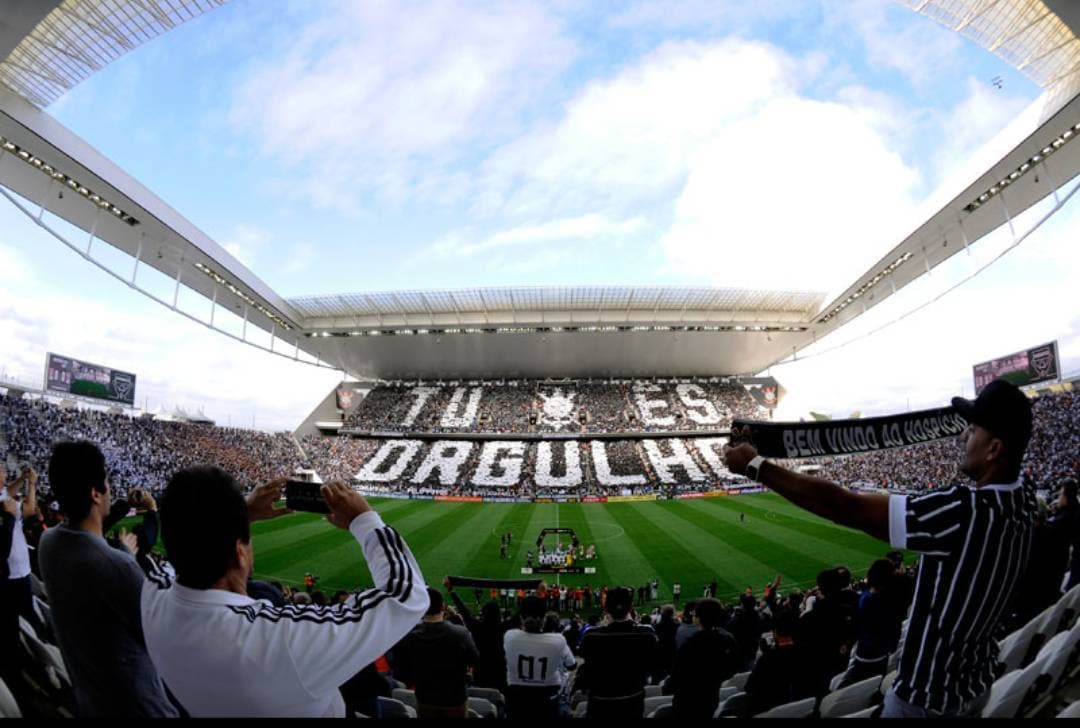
(975,544)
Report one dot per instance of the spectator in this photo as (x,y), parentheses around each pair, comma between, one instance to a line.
(537,662)
(687,626)
(1040,585)
(962,592)
(619,657)
(666,629)
(487,633)
(878,623)
(707,658)
(746,626)
(225,654)
(782,674)
(827,632)
(434,657)
(94,591)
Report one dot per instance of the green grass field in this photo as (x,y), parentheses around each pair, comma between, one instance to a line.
(691,541)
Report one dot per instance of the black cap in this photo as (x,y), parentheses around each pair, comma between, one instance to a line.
(1002,409)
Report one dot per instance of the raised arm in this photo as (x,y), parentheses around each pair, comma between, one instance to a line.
(470,620)
(865,511)
(328,645)
(29,506)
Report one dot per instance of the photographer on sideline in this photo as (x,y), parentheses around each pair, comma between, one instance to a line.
(223,653)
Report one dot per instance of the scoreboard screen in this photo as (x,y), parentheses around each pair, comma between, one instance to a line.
(1030,366)
(65,375)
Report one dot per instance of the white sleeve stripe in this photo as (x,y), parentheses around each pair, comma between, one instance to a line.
(401,554)
(897,521)
(397,548)
(353,612)
(939,511)
(394,545)
(949,530)
(390,560)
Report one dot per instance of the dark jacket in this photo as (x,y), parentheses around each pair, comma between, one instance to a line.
(433,657)
(703,663)
(781,675)
(618,659)
(746,626)
(488,637)
(7,531)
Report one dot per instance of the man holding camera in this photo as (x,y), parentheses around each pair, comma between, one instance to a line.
(975,542)
(223,653)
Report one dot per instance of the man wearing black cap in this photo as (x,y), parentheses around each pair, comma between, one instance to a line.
(974,540)
(618,658)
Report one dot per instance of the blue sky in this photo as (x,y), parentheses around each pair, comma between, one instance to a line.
(347,146)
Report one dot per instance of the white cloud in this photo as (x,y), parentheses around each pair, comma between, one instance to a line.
(584,229)
(246,242)
(802,195)
(177,362)
(1025,299)
(299,258)
(630,139)
(372,95)
(918,50)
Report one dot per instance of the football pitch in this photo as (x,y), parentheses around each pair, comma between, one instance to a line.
(689,541)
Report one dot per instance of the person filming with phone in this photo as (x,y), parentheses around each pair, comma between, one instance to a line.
(223,653)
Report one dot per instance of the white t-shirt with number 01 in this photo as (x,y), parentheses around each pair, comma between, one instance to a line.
(536,659)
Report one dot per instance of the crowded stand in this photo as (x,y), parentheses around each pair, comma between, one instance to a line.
(833,649)
(141,452)
(523,407)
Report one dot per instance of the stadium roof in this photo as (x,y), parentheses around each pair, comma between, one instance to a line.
(47,47)
(554,304)
(50,46)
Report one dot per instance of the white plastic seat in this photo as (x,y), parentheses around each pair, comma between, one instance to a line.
(1054,656)
(887,681)
(497,699)
(1008,692)
(726,693)
(406,696)
(655,702)
(853,698)
(391,708)
(738,680)
(798,709)
(1014,647)
(9,708)
(651,691)
(870,712)
(1052,615)
(46,655)
(581,709)
(483,708)
(1071,711)
(733,705)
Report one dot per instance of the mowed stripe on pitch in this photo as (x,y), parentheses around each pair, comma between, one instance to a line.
(669,559)
(776,515)
(724,546)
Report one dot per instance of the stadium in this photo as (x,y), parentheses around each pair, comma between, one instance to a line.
(563,448)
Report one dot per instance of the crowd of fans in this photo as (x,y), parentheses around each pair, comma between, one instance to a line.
(141,452)
(794,643)
(542,407)
(1052,456)
(144,452)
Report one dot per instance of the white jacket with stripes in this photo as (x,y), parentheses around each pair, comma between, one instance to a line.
(224,654)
